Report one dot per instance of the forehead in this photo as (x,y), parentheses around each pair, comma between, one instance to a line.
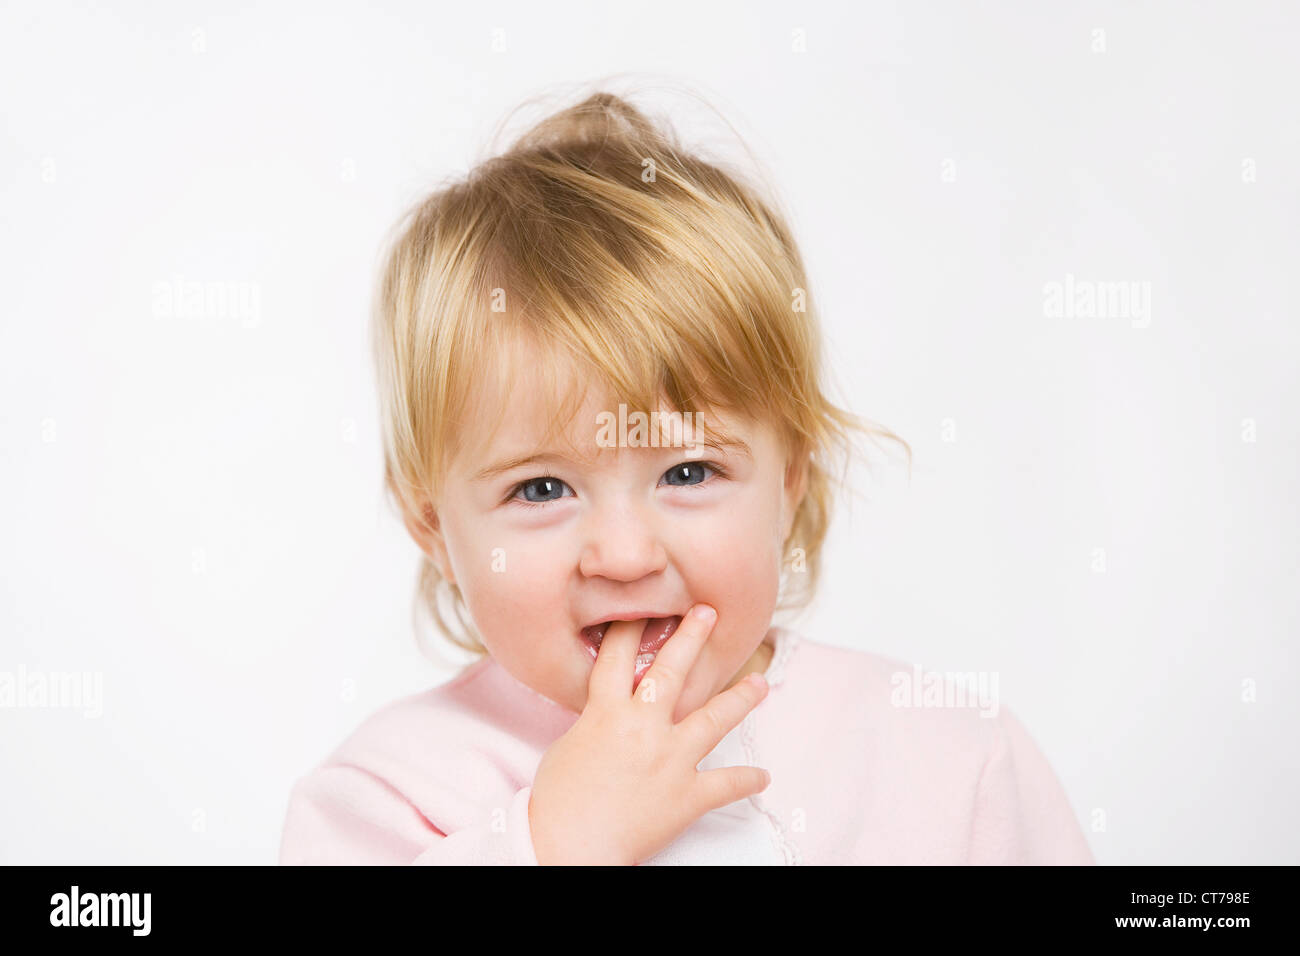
(535,402)
(525,398)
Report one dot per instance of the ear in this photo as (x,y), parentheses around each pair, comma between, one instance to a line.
(427,532)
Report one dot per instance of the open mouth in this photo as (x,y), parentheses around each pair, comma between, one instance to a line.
(654,635)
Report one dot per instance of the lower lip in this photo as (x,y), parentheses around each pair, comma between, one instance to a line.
(653,638)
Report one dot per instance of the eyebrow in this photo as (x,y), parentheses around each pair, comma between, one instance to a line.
(543,458)
(512,463)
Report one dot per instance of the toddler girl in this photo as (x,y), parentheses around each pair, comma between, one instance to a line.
(605,427)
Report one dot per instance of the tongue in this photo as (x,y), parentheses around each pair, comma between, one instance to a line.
(656,632)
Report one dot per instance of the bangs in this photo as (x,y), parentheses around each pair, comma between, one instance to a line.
(640,292)
(511,354)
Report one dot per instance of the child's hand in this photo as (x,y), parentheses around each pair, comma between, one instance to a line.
(621,784)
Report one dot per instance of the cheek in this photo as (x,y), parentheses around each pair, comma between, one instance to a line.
(505,578)
(745,536)
(735,560)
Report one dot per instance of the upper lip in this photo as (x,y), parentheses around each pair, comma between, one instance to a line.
(630,616)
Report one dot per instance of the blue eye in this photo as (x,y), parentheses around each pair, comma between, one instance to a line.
(692,473)
(538,492)
(546,489)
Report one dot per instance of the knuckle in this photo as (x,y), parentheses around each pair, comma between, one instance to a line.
(738,784)
(668,675)
(750,694)
(715,720)
(621,722)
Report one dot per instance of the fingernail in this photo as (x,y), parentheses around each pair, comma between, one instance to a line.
(705,613)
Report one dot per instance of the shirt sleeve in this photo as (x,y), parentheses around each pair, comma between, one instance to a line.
(344,815)
(1022,815)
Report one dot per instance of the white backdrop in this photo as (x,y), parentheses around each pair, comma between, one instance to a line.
(1102,509)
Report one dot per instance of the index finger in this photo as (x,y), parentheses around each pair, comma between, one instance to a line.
(611,676)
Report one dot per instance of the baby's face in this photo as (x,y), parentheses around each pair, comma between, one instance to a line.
(541,550)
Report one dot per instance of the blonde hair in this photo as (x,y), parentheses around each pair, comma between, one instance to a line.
(597,239)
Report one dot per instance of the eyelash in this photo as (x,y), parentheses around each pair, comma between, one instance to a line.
(717,469)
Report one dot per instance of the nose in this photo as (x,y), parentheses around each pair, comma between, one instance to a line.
(622,543)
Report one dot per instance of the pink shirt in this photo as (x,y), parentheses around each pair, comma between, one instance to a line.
(443,777)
